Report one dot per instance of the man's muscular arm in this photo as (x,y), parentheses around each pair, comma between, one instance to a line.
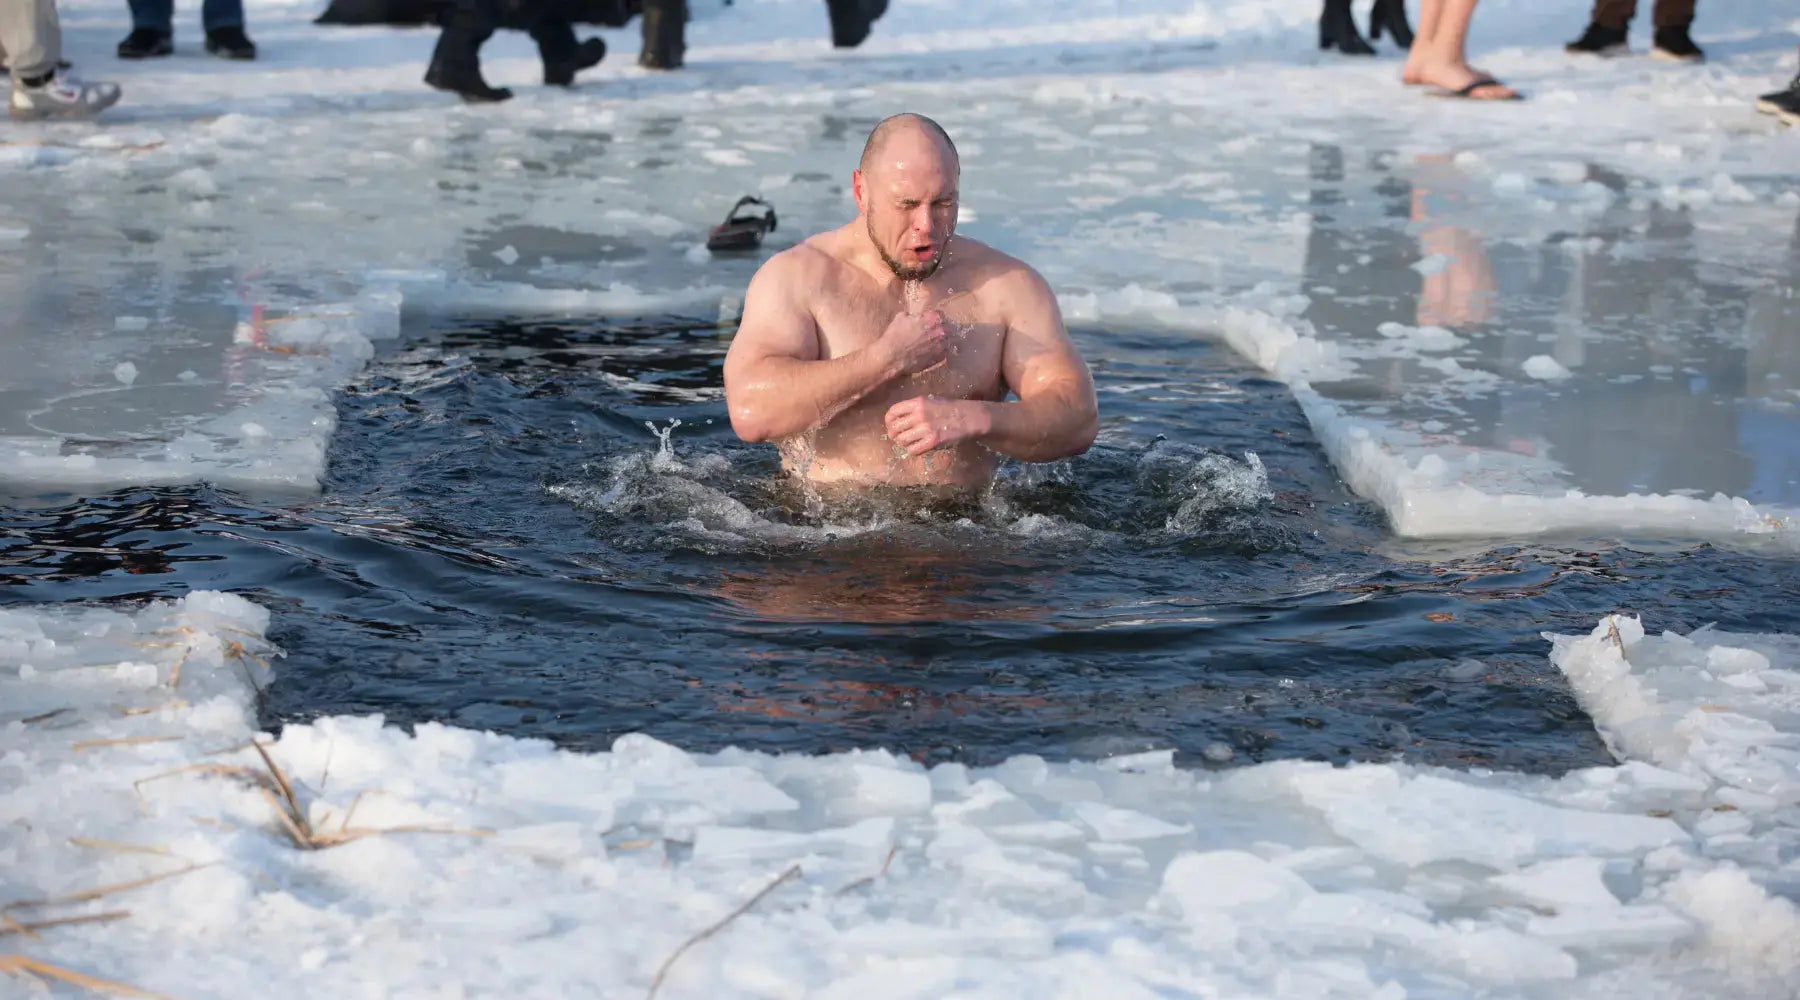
(776,383)
(1055,415)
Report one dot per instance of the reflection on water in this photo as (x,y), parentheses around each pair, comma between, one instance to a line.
(1681,372)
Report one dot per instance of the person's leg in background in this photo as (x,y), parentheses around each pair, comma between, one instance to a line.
(152,30)
(224,24)
(551,27)
(456,62)
(1606,30)
(1673,19)
(31,36)
(665,34)
(1439,54)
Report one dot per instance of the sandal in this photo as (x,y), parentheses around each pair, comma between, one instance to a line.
(1467,93)
(743,231)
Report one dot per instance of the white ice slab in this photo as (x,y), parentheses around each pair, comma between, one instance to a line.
(509,866)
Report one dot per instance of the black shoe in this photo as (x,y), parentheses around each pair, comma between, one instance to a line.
(1783,104)
(230,43)
(1337,30)
(1391,15)
(852,19)
(1673,45)
(466,83)
(147,43)
(665,34)
(562,72)
(1599,41)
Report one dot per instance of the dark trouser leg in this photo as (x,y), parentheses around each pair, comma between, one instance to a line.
(1614,13)
(555,38)
(456,62)
(1673,13)
(155,14)
(665,30)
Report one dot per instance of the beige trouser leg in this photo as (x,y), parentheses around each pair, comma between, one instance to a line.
(30,36)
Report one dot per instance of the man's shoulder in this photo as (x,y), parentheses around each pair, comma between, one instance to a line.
(999,270)
(807,261)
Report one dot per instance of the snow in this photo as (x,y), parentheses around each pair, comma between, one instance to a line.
(190,279)
(453,859)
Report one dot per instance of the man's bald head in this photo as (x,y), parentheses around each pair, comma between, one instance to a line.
(910,126)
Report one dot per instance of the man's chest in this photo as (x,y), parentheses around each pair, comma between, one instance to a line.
(975,339)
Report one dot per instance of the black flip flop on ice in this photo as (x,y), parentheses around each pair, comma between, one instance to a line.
(743,230)
(1468,93)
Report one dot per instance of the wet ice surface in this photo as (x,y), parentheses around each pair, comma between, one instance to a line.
(199,279)
(1469,307)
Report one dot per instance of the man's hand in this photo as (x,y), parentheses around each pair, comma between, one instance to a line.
(926,422)
(916,342)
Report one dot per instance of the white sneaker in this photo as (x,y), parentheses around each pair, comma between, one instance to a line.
(62,97)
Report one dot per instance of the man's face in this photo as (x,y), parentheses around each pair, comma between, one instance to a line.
(908,201)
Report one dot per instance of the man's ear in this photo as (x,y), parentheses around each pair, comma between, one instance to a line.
(859,191)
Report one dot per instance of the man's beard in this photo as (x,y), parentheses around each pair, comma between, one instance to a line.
(900,270)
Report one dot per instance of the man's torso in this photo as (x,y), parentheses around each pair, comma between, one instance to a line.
(851,311)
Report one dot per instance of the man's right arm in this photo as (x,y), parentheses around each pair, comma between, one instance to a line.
(777,384)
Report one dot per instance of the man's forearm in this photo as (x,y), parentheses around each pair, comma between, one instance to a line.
(777,398)
(1052,425)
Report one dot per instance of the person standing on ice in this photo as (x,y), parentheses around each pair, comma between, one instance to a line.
(1438,56)
(883,352)
(31,40)
(153,30)
(468,24)
(1607,27)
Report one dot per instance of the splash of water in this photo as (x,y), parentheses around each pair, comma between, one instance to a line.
(664,460)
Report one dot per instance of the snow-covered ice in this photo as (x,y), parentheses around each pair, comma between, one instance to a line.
(1596,299)
(452,862)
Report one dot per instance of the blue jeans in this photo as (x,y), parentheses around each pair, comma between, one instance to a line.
(160,14)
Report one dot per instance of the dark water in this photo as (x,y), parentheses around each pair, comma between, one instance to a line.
(504,543)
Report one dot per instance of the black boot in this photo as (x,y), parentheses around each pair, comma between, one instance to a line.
(852,19)
(1337,30)
(147,43)
(561,71)
(1598,40)
(665,28)
(456,62)
(1391,15)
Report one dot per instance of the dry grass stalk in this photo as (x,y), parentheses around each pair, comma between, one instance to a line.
(126,741)
(46,716)
(152,709)
(20,965)
(223,751)
(870,879)
(10,925)
(30,929)
(656,983)
(105,890)
(108,845)
(1612,632)
(280,793)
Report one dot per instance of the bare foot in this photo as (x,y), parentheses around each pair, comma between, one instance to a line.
(1453,77)
(1413,77)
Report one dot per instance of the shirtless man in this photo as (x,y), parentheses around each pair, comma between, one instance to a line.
(883,352)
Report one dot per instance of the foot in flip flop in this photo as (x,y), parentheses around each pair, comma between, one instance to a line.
(743,230)
(1459,81)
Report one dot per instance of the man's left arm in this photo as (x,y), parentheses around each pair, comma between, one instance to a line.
(1054,416)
